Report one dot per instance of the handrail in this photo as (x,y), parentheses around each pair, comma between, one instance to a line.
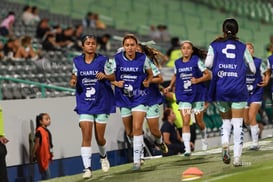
(42,85)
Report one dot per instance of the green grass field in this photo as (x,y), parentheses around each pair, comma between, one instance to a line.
(257,166)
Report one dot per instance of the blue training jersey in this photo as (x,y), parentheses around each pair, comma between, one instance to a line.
(132,72)
(229,72)
(252,80)
(93,96)
(184,90)
(155,96)
(270,60)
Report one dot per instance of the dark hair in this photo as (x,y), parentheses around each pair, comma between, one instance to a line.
(26,7)
(33,9)
(175,41)
(129,36)
(11,13)
(166,114)
(230,28)
(39,118)
(196,51)
(85,37)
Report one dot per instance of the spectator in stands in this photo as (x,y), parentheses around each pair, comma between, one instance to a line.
(3,150)
(255,85)
(154,34)
(89,20)
(65,38)
(43,29)
(9,49)
(43,147)
(190,75)
(104,43)
(170,134)
(94,100)
(99,24)
(173,53)
(35,14)
(50,44)
(228,86)
(92,20)
(6,27)
(30,15)
(27,16)
(164,33)
(77,36)
(23,49)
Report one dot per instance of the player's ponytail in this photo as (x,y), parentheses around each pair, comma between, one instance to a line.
(230,28)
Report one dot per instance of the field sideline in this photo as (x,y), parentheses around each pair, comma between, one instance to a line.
(257,166)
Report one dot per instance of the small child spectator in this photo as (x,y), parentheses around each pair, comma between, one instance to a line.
(42,150)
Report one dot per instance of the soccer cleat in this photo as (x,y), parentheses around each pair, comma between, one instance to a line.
(237,162)
(136,166)
(87,173)
(254,147)
(105,165)
(163,147)
(187,154)
(225,154)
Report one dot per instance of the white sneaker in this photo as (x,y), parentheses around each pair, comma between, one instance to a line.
(237,162)
(87,173)
(105,165)
(204,145)
(254,147)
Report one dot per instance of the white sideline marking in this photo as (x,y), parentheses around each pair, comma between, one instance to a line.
(264,146)
(233,174)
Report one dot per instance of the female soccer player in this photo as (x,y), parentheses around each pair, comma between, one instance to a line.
(255,83)
(94,100)
(228,59)
(155,98)
(133,77)
(190,90)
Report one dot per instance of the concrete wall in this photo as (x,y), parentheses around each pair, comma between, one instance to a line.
(19,119)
